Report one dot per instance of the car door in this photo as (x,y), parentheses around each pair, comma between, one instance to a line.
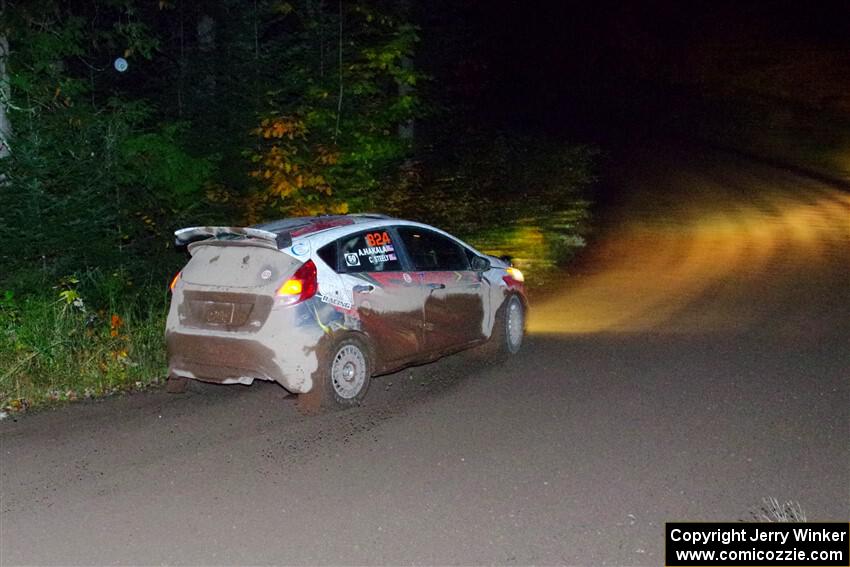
(386,299)
(453,297)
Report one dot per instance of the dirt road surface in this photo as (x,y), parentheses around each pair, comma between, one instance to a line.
(693,362)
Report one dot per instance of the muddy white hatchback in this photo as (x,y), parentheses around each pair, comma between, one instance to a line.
(322,304)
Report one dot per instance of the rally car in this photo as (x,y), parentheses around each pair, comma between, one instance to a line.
(322,304)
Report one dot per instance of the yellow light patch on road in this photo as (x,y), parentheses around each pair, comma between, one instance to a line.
(722,257)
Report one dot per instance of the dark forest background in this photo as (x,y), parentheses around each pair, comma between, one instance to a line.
(492,119)
(123,120)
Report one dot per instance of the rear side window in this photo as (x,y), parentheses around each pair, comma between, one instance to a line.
(328,255)
(430,251)
(370,251)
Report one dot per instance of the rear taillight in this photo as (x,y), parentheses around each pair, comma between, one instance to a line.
(301,286)
(174,282)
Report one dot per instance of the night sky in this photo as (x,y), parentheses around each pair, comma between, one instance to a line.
(589,69)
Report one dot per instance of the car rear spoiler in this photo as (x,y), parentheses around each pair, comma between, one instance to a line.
(186,236)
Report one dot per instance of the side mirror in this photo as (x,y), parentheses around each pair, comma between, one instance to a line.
(480,264)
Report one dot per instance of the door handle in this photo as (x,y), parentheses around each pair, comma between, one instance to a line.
(363,288)
(436,286)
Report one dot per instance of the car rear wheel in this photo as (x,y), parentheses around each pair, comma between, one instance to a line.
(342,379)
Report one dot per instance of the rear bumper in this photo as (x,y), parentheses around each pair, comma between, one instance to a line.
(231,360)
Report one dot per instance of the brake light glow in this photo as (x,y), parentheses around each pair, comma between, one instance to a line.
(174,281)
(291,287)
(301,286)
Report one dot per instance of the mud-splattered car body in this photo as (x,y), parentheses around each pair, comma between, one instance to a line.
(275,301)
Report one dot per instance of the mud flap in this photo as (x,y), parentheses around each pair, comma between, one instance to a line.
(176,384)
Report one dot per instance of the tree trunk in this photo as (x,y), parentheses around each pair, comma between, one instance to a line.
(206,44)
(5,97)
(339,98)
(405,129)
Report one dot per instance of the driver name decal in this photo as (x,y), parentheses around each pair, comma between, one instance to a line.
(378,254)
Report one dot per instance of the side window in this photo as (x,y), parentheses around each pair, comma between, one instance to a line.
(328,255)
(370,251)
(430,251)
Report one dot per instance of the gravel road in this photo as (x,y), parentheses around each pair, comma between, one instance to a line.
(692,362)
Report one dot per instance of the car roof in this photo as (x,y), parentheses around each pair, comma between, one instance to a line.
(326,228)
(304,226)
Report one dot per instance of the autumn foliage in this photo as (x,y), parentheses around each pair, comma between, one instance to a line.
(331,135)
(291,172)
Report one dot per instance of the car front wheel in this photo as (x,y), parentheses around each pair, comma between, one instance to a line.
(508,331)
(514,325)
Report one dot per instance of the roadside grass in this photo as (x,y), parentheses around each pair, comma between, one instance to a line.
(57,348)
(772,510)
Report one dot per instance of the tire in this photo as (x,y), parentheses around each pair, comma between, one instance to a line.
(514,327)
(342,380)
(176,384)
(508,330)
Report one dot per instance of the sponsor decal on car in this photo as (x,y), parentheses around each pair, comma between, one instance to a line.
(300,248)
(336,301)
